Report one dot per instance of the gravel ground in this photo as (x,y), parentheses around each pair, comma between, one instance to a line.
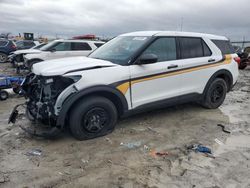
(126,158)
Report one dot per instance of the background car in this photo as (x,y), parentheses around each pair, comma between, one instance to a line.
(26,44)
(6,47)
(60,49)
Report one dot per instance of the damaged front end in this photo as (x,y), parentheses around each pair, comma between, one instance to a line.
(42,93)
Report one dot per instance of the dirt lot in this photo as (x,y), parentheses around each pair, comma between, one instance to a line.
(105,162)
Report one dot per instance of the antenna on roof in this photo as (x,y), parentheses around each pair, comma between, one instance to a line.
(181,23)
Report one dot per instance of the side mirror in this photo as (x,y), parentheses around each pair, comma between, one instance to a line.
(147,59)
(53,50)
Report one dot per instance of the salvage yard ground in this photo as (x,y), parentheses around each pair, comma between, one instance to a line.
(105,162)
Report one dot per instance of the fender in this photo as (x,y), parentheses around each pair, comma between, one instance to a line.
(72,99)
(221,74)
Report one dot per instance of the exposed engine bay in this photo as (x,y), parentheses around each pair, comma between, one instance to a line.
(41,93)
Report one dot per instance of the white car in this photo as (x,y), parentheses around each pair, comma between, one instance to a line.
(131,73)
(61,48)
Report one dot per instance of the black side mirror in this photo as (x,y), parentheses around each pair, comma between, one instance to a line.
(147,59)
(53,50)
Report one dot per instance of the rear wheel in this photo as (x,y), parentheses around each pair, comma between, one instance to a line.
(3,57)
(215,94)
(4,95)
(93,117)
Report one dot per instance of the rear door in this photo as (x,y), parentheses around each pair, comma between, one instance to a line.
(157,81)
(196,64)
(80,49)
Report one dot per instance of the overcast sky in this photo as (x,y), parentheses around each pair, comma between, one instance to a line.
(112,17)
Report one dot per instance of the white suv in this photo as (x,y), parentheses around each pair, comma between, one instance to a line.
(61,48)
(133,72)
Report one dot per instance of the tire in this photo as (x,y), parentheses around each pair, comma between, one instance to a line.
(3,57)
(215,94)
(242,65)
(92,117)
(4,95)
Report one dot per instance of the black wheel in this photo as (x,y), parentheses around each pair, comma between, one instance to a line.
(92,117)
(4,95)
(3,57)
(215,94)
(242,65)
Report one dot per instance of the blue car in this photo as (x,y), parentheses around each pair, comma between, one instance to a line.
(7,82)
(6,47)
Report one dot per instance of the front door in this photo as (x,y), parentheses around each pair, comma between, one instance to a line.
(157,81)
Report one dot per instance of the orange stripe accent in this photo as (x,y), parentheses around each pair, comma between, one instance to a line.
(124,87)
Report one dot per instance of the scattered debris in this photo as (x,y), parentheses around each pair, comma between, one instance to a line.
(184,172)
(4,178)
(154,153)
(223,128)
(84,161)
(200,148)
(218,141)
(152,130)
(108,140)
(146,148)
(34,152)
(131,145)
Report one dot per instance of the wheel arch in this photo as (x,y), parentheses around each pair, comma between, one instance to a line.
(111,93)
(224,74)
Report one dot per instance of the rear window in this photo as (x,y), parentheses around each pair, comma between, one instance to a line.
(192,47)
(80,46)
(225,46)
(3,43)
(98,44)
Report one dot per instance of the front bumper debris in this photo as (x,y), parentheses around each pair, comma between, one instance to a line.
(35,128)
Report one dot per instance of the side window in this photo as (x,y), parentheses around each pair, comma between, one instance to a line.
(164,48)
(80,46)
(191,47)
(3,43)
(62,46)
(225,46)
(28,44)
(206,51)
(98,44)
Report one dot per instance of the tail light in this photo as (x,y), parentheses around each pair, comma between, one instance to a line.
(13,47)
(237,59)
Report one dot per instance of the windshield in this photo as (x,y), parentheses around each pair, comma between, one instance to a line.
(48,46)
(39,46)
(120,49)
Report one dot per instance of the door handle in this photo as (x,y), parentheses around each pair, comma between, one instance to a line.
(172,66)
(211,60)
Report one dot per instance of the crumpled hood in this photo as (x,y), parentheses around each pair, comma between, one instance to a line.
(27,51)
(66,65)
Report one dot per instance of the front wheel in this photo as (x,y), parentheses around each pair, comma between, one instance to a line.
(3,57)
(215,94)
(4,95)
(92,117)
